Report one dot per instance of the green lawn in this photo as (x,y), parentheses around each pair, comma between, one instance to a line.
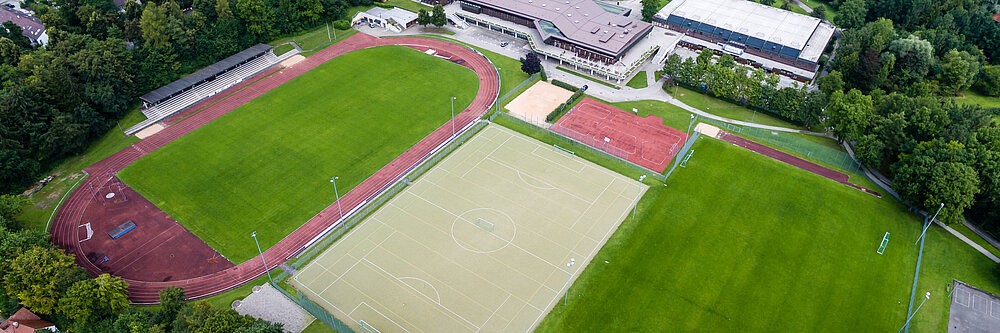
(314,40)
(795,8)
(740,242)
(266,166)
(638,81)
(723,108)
(830,11)
(317,327)
(971,96)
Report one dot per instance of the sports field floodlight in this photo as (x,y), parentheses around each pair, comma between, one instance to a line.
(453,115)
(569,276)
(337,194)
(927,296)
(928,224)
(254,235)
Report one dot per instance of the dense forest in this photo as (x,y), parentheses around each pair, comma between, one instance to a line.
(57,98)
(892,92)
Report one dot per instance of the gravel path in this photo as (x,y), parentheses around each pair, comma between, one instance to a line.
(269,304)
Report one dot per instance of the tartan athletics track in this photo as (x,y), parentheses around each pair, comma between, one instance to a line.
(68,218)
(643,141)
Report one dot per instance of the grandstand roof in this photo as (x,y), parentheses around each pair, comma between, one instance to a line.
(203,74)
(749,18)
(599,26)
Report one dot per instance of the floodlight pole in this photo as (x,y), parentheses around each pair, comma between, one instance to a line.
(337,194)
(928,225)
(254,235)
(569,276)
(927,296)
(453,116)
(693,119)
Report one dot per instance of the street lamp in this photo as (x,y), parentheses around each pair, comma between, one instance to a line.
(453,116)
(928,225)
(254,235)
(927,296)
(339,209)
(568,277)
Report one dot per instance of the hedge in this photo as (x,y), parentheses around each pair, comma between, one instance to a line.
(564,85)
(564,107)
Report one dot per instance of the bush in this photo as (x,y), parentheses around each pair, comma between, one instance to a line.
(558,112)
(564,85)
(555,114)
(341,24)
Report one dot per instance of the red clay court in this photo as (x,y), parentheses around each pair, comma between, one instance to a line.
(643,141)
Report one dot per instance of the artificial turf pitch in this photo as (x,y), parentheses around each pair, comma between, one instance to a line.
(738,242)
(266,166)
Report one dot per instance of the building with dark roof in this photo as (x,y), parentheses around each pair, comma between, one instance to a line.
(593,30)
(746,26)
(31,26)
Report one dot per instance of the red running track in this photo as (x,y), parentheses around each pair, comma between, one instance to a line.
(68,218)
(795,161)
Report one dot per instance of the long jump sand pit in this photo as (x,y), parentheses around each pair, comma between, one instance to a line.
(478,243)
(537,102)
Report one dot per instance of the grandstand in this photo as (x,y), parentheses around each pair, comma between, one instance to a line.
(189,90)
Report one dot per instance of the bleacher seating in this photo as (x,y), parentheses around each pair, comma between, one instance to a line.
(201,92)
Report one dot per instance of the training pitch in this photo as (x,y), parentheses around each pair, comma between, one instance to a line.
(479,243)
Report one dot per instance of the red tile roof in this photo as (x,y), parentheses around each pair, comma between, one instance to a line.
(31,26)
(23,321)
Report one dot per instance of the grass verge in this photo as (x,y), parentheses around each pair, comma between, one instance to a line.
(723,108)
(638,81)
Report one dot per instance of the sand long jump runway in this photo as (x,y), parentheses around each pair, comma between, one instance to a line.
(479,243)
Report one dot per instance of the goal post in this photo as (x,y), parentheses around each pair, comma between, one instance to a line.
(567,151)
(364,327)
(885,241)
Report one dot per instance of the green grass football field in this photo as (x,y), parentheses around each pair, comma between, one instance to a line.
(266,166)
(740,242)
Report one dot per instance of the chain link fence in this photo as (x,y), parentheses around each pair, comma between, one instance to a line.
(795,144)
(316,311)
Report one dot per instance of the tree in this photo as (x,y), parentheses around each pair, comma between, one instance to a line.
(171,304)
(40,276)
(831,82)
(154,26)
(93,299)
(819,12)
(255,16)
(958,69)
(423,18)
(10,206)
(851,14)
(989,83)
(531,64)
(438,17)
(849,113)
(649,8)
(935,173)
(914,57)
